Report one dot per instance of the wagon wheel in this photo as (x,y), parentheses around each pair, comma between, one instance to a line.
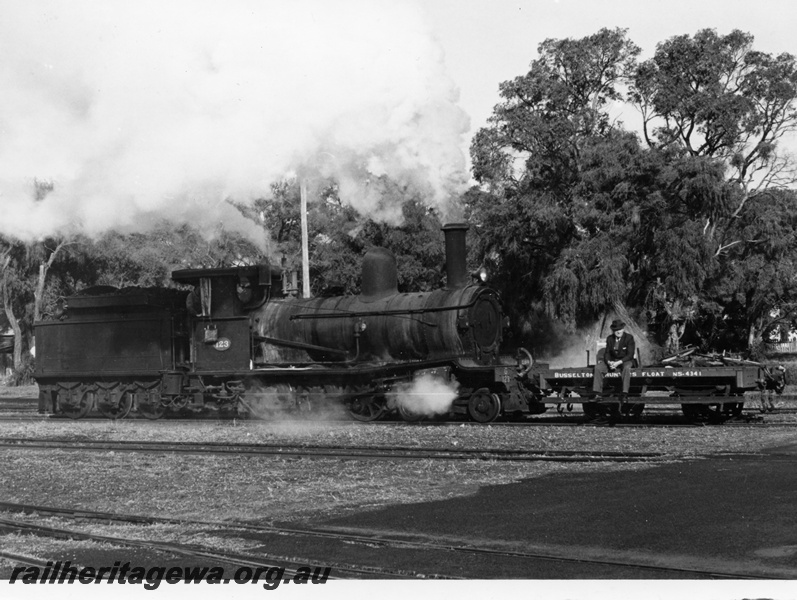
(712,413)
(634,409)
(591,410)
(734,409)
(149,405)
(115,404)
(78,403)
(690,411)
(484,407)
(367,408)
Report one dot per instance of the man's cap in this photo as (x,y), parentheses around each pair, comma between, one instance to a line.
(617,324)
(781,368)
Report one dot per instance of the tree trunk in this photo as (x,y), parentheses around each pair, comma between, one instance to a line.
(754,340)
(38,295)
(15,327)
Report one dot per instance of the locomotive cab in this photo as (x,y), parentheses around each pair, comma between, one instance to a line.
(219,307)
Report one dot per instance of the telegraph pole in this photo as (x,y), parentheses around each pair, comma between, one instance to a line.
(305,243)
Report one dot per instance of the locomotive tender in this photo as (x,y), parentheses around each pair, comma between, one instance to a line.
(238,342)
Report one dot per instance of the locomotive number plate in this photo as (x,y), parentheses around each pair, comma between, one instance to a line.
(222,344)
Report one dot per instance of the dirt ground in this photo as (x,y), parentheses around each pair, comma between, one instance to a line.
(706,488)
(23,391)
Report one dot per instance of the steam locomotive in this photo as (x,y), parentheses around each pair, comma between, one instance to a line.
(237,341)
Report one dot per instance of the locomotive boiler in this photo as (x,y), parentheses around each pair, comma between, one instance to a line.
(232,339)
(461,321)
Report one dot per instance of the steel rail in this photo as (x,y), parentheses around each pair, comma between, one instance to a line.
(345,452)
(358,536)
(562,420)
(240,560)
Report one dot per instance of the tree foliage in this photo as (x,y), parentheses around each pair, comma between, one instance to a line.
(339,236)
(581,215)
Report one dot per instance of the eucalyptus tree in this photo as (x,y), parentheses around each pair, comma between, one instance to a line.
(580,215)
(25,269)
(533,208)
(715,98)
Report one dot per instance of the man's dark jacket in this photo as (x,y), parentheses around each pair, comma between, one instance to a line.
(620,349)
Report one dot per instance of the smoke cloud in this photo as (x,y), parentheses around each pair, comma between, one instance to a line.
(137,111)
(426,395)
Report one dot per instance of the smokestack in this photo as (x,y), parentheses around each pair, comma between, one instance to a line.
(456,272)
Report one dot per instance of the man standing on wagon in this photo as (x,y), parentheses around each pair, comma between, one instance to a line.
(619,355)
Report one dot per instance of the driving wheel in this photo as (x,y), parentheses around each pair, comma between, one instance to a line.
(484,407)
(367,408)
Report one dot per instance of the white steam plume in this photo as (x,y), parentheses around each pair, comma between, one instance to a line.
(149,109)
(426,395)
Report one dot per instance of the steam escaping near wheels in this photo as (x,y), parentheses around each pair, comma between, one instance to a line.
(426,396)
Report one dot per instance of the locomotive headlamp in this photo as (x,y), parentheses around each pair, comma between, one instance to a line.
(481,275)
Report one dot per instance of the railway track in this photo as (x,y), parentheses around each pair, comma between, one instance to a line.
(261,560)
(655,415)
(654,565)
(333,451)
(779,418)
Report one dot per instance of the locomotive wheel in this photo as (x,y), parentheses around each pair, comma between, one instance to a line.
(367,408)
(408,414)
(149,409)
(484,407)
(78,405)
(116,404)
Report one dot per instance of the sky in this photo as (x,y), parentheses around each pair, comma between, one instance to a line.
(138,111)
(490,41)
